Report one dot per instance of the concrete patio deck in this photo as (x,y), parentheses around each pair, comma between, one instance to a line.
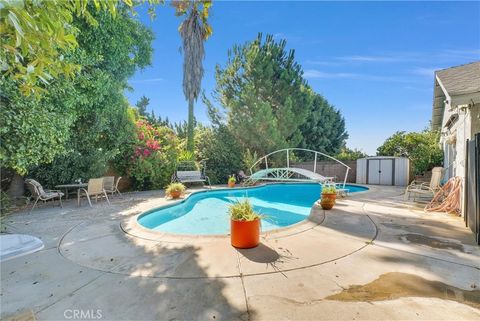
(373,256)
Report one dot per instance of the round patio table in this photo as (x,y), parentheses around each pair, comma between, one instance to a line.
(67,187)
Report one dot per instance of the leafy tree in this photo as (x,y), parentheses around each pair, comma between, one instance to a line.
(420,147)
(194,31)
(30,27)
(151,155)
(181,128)
(142,105)
(109,55)
(347,154)
(264,95)
(324,128)
(33,131)
(221,150)
(164,122)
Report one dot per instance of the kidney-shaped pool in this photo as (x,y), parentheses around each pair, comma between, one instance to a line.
(206,212)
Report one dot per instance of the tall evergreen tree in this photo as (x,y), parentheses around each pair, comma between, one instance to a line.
(324,128)
(142,105)
(264,94)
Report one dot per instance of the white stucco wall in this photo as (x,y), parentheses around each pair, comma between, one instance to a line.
(462,131)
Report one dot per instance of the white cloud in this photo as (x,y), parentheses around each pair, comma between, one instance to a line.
(315,74)
(361,58)
(427,72)
(148,80)
(312,73)
(440,56)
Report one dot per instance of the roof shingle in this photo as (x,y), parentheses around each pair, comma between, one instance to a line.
(464,79)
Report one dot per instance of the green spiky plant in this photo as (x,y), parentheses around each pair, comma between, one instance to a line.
(243,211)
(329,189)
(175,187)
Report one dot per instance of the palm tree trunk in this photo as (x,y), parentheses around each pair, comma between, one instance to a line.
(190,143)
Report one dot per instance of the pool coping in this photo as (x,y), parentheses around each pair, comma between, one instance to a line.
(317,215)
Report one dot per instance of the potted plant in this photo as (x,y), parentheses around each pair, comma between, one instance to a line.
(175,190)
(329,194)
(231,181)
(244,224)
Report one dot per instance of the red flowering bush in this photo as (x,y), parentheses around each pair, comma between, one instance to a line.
(152,157)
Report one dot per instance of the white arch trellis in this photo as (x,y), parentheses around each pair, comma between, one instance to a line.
(285,173)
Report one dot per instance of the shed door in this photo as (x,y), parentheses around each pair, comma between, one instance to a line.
(373,171)
(386,172)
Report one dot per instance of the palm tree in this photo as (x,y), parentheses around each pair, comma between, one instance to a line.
(194,30)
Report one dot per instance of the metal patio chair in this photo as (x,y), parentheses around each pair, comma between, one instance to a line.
(94,188)
(41,194)
(110,185)
(418,188)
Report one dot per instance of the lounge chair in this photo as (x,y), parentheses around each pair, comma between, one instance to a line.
(110,185)
(42,194)
(419,188)
(94,188)
(241,176)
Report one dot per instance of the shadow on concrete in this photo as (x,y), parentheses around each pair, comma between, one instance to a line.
(124,289)
(260,254)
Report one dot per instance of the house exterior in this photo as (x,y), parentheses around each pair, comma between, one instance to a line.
(456,113)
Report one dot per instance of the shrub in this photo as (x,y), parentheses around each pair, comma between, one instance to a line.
(347,154)
(248,159)
(420,147)
(175,187)
(5,203)
(221,151)
(329,189)
(243,211)
(151,158)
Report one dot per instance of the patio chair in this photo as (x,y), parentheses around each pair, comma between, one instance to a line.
(94,188)
(241,176)
(110,185)
(425,188)
(42,194)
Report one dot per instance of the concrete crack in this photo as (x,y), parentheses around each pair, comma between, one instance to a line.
(243,286)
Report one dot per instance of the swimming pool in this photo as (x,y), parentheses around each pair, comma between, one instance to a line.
(206,212)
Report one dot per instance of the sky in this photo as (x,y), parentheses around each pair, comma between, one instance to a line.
(374,61)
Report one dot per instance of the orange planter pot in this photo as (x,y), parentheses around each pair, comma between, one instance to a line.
(327,204)
(175,195)
(231,184)
(245,234)
(329,196)
(328,200)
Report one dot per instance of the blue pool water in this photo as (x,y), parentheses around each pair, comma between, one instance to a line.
(207,212)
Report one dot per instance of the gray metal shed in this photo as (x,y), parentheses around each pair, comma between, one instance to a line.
(383,170)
